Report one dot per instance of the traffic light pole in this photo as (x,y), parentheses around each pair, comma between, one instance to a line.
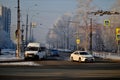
(118,49)
(118,45)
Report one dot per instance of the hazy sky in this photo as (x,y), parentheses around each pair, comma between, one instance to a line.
(46,12)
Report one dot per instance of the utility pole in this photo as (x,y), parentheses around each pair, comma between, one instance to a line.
(18,30)
(22,39)
(30,36)
(91,35)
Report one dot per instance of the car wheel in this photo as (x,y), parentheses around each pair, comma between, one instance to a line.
(71,58)
(25,58)
(92,61)
(79,59)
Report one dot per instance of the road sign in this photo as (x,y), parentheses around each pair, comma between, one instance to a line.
(107,23)
(117,33)
(78,41)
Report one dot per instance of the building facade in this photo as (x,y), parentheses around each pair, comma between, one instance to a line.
(5,19)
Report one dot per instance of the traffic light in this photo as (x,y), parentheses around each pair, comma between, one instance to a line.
(118,37)
(117,34)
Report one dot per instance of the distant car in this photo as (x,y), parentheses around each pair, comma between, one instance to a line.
(81,56)
(54,52)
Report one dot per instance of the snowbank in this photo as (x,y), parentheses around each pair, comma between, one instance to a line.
(7,57)
(105,55)
(11,57)
(21,63)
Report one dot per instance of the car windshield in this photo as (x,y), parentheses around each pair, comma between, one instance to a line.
(32,49)
(84,53)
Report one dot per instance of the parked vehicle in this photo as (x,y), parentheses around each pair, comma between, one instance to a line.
(35,51)
(81,56)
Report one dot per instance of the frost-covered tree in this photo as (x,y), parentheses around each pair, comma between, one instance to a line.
(108,33)
(83,17)
(62,30)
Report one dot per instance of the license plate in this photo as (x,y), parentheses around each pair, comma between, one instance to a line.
(30,55)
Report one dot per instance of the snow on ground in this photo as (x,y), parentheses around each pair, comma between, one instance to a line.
(113,56)
(11,57)
(21,63)
(7,57)
(9,54)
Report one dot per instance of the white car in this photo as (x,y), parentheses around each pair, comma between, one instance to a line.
(81,56)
